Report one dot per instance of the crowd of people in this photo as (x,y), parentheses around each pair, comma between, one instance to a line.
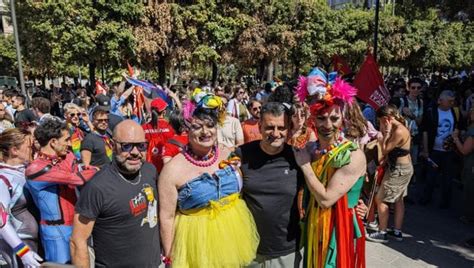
(289,174)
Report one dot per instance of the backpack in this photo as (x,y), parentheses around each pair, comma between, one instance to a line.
(404,101)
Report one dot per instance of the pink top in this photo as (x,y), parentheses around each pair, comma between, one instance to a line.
(371,134)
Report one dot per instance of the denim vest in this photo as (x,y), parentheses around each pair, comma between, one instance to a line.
(197,192)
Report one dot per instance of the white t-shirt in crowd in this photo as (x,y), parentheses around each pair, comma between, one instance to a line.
(230,132)
(445,128)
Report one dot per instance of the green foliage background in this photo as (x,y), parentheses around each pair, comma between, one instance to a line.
(220,39)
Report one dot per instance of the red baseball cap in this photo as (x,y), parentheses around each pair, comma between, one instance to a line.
(159,104)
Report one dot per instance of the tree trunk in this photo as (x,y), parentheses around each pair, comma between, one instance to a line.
(261,70)
(103,74)
(269,68)
(172,82)
(296,72)
(91,87)
(215,73)
(161,70)
(43,82)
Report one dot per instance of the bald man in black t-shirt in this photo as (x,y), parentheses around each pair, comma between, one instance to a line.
(119,208)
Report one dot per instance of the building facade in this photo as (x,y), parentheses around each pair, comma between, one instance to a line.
(5,23)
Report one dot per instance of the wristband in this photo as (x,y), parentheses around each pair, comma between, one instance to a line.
(166,260)
(21,249)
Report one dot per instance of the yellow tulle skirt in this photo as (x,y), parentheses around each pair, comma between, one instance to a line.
(220,235)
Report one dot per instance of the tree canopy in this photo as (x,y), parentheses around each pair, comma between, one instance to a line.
(212,37)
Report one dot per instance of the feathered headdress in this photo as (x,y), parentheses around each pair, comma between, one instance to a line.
(324,90)
(202,99)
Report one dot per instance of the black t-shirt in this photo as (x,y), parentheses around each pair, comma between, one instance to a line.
(126,230)
(270,189)
(96,145)
(24,116)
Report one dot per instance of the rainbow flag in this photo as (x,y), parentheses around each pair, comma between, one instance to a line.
(108,144)
(76,138)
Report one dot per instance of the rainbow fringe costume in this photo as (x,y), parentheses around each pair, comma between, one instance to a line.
(334,237)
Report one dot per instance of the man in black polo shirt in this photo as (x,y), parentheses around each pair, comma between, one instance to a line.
(119,208)
(271,180)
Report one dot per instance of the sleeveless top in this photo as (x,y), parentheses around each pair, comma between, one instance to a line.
(394,154)
(197,192)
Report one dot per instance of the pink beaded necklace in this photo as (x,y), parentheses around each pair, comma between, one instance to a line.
(206,161)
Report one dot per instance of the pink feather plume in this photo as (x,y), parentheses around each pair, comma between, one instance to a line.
(301,88)
(188,109)
(343,90)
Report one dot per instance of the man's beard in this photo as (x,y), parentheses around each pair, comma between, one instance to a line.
(124,166)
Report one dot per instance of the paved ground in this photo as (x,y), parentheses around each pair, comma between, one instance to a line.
(432,238)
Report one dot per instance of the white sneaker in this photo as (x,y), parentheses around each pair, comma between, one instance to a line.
(374,226)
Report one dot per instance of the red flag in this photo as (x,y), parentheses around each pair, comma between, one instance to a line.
(139,102)
(370,84)
(340,65)
(100,88)
(139,98)
(130,69)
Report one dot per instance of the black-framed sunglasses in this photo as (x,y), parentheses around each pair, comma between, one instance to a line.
(128,146)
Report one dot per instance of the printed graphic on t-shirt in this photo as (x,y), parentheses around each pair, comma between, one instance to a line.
(445,128)
(151,215)
(145,201)
(138,204)
(155,151)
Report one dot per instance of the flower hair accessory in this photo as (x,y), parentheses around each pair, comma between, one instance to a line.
(202,99)
(324,89)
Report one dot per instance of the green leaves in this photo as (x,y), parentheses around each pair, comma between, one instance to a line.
(58,34)
(243,34)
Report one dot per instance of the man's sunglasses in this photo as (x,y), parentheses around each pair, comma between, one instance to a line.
(128,146)
(102,120)
(415,87)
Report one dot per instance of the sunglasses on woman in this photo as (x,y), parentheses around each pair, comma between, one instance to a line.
(128,146)
(76,114)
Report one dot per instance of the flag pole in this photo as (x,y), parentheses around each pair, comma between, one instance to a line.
(376,31)
(18,51)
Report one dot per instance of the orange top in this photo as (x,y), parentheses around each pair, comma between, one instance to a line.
(251,130)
